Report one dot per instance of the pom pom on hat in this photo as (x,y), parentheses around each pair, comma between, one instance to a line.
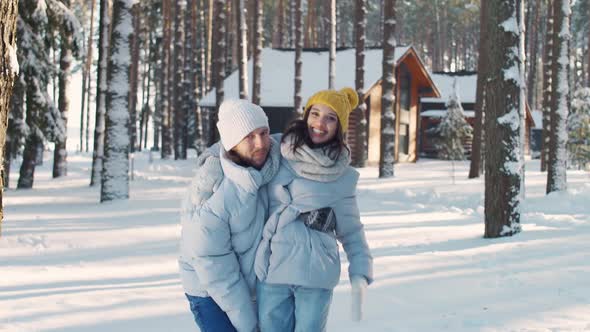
(237,119)
(340,101)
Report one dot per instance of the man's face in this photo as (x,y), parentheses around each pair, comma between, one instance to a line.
(253,149)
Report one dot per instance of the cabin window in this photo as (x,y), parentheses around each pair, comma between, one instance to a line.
(405,100)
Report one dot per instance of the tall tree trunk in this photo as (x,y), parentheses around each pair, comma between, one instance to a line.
(242,48)
(503,119)
(547,68)
(482,65)
(532,73)
(298,62)
(9,70)
(101,93)
(278,40)
(115,171)
(257,58)
(86,79)
(16,126)
(65,58)
(180,107)
(332,73)
(210,27)
(219,67)
(560,97)
(165,82)
(360,111)
(388,100)
(134,77)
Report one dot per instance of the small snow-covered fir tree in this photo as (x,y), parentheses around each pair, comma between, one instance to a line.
(452,130)
(578,125)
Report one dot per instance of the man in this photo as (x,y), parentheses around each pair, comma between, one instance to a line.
(222,219)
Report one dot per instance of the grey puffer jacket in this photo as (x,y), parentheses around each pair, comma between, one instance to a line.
(292,253)
(222,220)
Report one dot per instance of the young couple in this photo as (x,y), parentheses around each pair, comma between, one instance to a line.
(259,226)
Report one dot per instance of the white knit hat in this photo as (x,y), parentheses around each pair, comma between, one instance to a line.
(237,119)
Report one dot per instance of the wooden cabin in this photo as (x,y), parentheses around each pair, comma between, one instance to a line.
(413,82)
(433,109)
(277,87)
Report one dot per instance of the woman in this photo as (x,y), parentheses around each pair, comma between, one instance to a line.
(312,204)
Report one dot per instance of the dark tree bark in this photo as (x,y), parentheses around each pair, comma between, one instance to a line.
(8,73)
(134,77)
(360,112)
(546,105)
(180,109)
(533,48)
(475,166)
(86,79)
(387,154)
(165,82)
(560,97)
(332,62)
(504,107)
(257,58)
(101,93)
(219,67)
(65,58)
(298,62)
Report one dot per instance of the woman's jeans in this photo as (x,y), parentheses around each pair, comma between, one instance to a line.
(208,315)
(289,308)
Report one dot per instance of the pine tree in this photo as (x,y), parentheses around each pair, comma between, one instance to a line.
(180,115)
(115,171)
(387,158)
(9,69)
(560,97)
(298,62)
(546,104)
(242,48)
(578,127)
(257,57)
(359,113)
(453,130)
(503,119)
(101,93)
(332,62)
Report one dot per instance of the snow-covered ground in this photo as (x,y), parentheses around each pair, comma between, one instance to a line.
(68,263)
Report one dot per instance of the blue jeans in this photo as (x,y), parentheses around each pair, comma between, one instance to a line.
(208,315)
(288,308)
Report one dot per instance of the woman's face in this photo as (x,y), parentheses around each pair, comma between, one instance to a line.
(322,123)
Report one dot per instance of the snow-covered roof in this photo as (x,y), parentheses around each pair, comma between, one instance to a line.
(466,87)
(278,70)
(442,113)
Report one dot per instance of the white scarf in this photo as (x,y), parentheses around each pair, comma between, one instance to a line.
(314,164)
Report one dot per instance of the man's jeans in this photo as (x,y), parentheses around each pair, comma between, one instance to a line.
(208,315)
(289,308)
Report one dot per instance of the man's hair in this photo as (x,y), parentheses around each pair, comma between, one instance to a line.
(298,128)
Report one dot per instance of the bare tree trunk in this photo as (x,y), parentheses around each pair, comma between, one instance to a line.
(134,77)
(547,68)
(298,62)
(560,97)
(86,79)
(210,28)
(101,92)
(332,73)
(16,117)
(278,40)
(165,82)
(503,120)
(388,100)
(482,64)
(9,69)
(242,48)
(115,170)
(257,59)
(360,112)
(180,107)
(532,73)
(65,58)
(219,28)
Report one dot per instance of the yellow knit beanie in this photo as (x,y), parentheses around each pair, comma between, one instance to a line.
(342,102)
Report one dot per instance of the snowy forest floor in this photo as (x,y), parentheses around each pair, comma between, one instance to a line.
(69,263)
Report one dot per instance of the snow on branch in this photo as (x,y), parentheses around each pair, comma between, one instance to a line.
(63,14)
